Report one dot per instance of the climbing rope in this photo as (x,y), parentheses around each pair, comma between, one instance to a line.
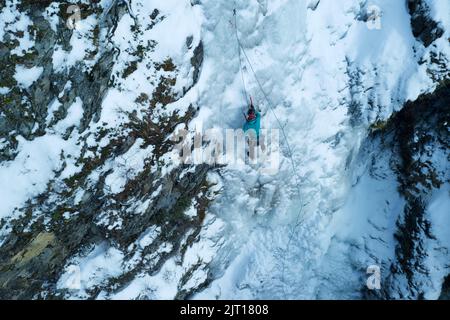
(240,59)
(298,220)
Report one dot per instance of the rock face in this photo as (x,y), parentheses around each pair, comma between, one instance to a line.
(30,104)
(79,210)
(418,137)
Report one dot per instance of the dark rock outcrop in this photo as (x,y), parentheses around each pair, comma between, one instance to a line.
(423,26)
(445,291)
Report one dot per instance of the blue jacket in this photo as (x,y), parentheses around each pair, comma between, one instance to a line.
(254,124)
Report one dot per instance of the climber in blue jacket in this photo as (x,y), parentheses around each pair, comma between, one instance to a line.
(253,121)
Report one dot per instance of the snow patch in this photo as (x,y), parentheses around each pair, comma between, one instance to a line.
(25,77)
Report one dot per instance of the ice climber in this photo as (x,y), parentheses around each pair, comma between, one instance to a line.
(253,121)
